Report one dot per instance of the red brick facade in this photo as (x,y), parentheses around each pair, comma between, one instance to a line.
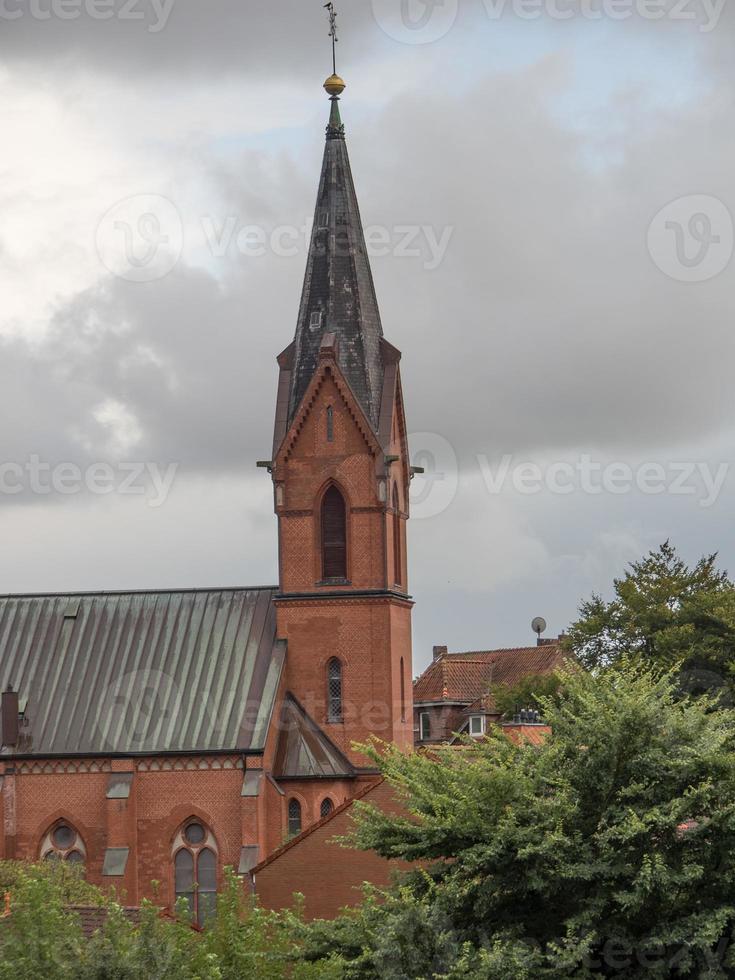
(298,867)
(364,622)
(340,435)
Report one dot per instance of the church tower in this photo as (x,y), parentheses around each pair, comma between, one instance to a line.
(341,476)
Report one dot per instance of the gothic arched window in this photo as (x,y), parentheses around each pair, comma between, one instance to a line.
(63,843)
(294,818)
(334,535)
(397,557)
(334,690)
(326,807)
(195,870)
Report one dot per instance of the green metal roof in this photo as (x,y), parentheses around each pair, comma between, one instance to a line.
(141,672)
(303,748)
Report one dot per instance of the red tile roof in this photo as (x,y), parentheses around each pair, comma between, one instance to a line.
(466,677)
(531,734)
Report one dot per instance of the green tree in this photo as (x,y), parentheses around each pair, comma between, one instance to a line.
(667,614)
(531,691)
(249,942)
(40,939)
(609,850)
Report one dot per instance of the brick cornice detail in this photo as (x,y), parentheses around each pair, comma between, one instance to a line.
(332,600)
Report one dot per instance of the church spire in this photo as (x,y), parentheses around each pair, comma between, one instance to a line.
(338,295)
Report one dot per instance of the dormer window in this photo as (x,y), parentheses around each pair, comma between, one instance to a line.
(477,726)
(316,321)
(424,726)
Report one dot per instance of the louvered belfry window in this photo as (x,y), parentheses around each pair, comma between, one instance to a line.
(334,535)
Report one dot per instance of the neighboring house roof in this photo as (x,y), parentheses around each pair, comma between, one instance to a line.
(92,919)
(141,672)
(466,677)
(304,749)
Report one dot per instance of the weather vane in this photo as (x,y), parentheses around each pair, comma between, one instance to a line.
(333,33)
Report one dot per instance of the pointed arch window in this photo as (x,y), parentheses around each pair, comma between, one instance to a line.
(326,807)
(334,690)
(64,843)
(195,871)
(334,535)
(294,818)
(397,550)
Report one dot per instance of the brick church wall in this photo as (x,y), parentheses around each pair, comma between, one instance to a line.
(327,874)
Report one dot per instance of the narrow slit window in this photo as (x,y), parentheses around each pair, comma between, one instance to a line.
(294,818)
(334,535)
(397,551)
(330,424)
(403,692)
(334,690)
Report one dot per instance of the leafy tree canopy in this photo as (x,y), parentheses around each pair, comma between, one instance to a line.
(610,850)
(530,692)
(666,614)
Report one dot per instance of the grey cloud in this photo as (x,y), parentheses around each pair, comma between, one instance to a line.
(546,326)
(183,37)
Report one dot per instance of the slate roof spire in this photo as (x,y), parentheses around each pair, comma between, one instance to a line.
(338,295)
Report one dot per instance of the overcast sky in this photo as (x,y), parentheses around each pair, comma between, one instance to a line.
(550,203)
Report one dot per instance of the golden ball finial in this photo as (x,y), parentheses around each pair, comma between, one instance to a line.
(334,85)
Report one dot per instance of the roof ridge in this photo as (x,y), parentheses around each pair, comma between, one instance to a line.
(189,590)
(474,653)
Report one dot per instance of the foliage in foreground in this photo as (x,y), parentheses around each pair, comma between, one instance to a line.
(610,851)
(43,939)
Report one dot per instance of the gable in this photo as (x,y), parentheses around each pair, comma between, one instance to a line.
(303,748)
(328,385)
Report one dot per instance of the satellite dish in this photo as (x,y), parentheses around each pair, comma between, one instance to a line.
(538,625)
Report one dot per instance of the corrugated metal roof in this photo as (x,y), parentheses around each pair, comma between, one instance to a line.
(141,672)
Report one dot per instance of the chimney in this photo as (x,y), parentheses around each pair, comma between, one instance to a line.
(9,709)
(440,652)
